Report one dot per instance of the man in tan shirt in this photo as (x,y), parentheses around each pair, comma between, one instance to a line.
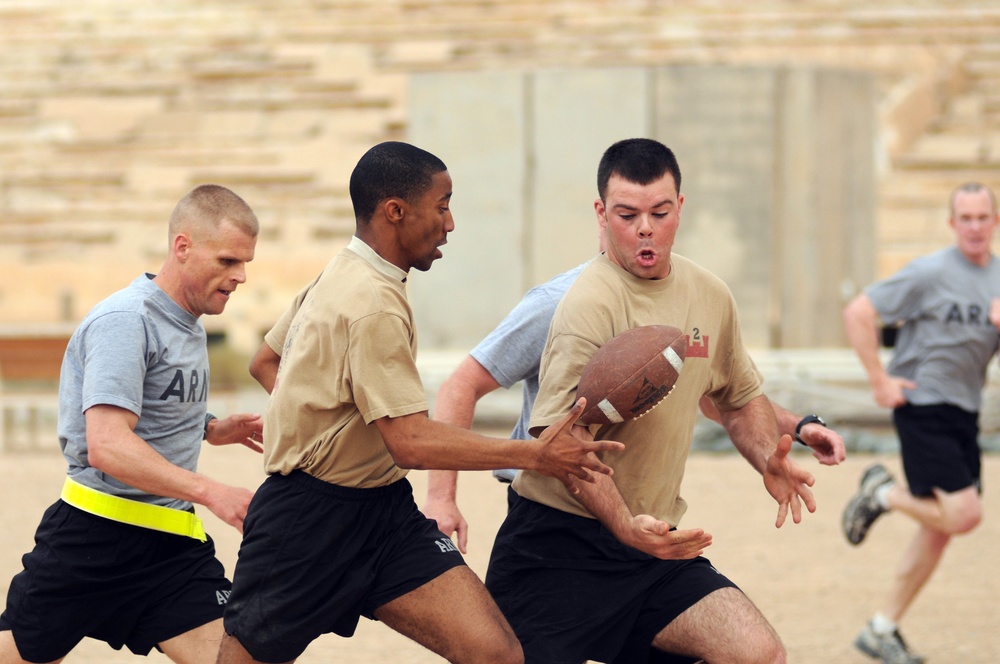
(603,574)
(334,533)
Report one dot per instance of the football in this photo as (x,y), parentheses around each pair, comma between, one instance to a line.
(631,373)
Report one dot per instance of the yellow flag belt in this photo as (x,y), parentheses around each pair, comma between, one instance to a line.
(123,510)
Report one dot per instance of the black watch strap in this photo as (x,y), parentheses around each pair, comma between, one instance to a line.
(808,419)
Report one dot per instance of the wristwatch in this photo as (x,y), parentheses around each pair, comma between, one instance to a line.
(808,419)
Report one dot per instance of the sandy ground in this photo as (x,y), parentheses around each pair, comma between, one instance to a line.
(815,588)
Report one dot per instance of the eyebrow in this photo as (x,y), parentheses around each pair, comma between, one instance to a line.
(662,203)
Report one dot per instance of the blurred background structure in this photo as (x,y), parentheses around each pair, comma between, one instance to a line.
(818,140)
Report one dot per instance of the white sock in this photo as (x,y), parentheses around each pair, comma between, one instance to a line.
(882,625)
(882,495)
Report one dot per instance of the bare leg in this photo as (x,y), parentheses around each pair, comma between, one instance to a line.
(231,651)
(454,616)
(940,517)
(197,646)
(952,513)
(725,626)
(919,562)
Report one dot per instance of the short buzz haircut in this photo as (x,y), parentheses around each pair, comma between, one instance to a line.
(207,206)
(971,188)
(638,160)
(391,170)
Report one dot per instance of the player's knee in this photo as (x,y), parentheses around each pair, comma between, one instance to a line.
(772,652)
(495,651)
(967,521)
(964,516)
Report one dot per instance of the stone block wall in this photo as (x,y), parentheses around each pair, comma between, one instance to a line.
(110,110)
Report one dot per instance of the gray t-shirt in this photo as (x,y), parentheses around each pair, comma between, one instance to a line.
(513,351)
(138,350)
(946,340)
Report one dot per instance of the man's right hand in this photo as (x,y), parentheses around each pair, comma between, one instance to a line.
(565,456)
(888,391)
(652,536)
(230,504)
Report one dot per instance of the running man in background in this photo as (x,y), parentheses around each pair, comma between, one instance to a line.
(948,310)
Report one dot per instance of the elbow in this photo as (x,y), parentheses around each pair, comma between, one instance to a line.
(98,455)
(406,456)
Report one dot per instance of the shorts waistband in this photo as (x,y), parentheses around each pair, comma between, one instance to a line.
(400,487)
(133,512)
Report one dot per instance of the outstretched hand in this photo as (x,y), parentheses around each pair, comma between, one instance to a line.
(244,428)
(566,456)
(787,483)
(652,536)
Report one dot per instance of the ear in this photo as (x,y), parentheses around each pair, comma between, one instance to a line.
(602,216)
(395,209)
(182,246)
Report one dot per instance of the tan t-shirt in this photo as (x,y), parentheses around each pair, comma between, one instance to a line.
(605,301)
(348,358)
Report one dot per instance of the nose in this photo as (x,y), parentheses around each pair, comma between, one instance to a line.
(645,228)
(240,274)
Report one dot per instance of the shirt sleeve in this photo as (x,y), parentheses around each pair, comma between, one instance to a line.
(900,297)
(116,347)
(512,351)
(383,373)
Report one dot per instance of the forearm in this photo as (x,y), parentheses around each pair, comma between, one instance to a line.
(132,461)
(605,502)
(416,442)
(455,404)
(753,430)
(785,419)
(861,326)
(442,485)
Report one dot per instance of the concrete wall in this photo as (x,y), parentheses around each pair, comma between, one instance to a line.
(777,166)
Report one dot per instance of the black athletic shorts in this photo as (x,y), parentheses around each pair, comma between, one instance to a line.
(939,445)
(316,556)
(126,585)
(573,592)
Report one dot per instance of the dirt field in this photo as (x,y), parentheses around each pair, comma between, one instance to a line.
(816,589)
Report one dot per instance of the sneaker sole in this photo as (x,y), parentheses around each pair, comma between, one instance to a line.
(845,526)
(860,644)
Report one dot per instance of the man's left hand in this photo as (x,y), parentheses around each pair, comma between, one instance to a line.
(787,483)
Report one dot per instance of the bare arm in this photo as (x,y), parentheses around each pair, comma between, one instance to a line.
(115,449)
(643,532)
(754,431)
(415,441)
(827,445)
(264,367)
(861,324)
(455,404)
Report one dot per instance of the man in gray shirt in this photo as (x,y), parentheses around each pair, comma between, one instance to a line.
(121,557)
(947,309)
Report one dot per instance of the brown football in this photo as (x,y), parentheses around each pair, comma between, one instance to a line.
(631,373)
